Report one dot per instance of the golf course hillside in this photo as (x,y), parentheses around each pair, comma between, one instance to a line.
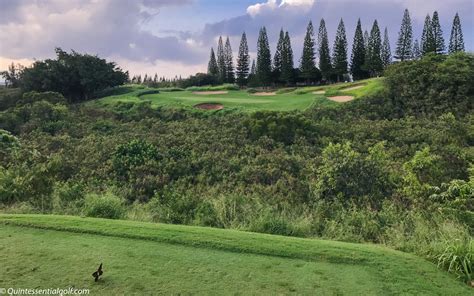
(147,258)
(230,97)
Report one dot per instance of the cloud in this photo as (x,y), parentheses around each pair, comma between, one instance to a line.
(105,27)
(271,5)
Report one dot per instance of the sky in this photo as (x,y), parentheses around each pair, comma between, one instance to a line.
(174,37)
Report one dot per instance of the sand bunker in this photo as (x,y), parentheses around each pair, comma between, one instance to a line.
(341,99)
(216,92)
(209,106)
(263,94)
(352,88)
(319,92)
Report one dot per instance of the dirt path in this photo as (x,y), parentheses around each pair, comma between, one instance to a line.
(209,106)
(215,92)
(319,92)
(341,99)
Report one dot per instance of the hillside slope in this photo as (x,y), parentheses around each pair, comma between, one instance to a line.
(62,251)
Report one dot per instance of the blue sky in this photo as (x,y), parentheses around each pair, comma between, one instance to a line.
(173,37)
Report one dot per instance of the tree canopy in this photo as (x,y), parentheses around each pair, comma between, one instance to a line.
(76,76)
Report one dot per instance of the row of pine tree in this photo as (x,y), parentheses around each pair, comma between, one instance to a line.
(370,54)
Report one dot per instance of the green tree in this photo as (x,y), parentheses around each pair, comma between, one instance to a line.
(416,50)
(264,62)
(277,58)
(253,69)
(374,61)
(427,40)
(438,39)
(358,54)
(340,52)
(347,175)
(386,51)
(243,61)
(366,39)
(456,42)
(221,62)
(287,60)
(324,53)
(229,62)
(212,68)
(13,75)
(405,39)
(77,76)
(307,64)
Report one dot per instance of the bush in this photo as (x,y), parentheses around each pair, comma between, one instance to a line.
(280,225)
(148,92)
(104,206)
(285,90)
(170,89)
(213,88)
(48,96)
(435,84)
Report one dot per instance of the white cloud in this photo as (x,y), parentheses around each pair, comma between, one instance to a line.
(271,5)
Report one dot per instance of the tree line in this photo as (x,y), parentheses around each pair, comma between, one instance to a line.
(78,76)
(371,54)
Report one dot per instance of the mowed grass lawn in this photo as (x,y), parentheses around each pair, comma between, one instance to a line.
(295,99)
(42,251)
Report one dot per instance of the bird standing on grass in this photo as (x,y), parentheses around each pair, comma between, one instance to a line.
(98,273)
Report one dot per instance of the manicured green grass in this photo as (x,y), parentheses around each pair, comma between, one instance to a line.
(145,258)
(241,100)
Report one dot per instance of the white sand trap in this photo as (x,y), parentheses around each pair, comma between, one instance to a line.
(341,99)
(319,92)
(352,88)
(263,94)
(216,92)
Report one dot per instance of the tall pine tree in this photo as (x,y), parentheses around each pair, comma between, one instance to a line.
(374,60)
(340,52)
(277,59)
(405,38)
(243,61)
(427,40)
(212,68)
(264,60)
(221,64)
(366,42)
(456,42)
(438,39)
(307,63)
(253,69)
(229,62)
(358,54)
(324,53)
(386,51)
(416,50)
(287,60)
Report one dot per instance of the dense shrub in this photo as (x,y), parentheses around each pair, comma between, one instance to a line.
(350,177)
(283,127)
(434,84)
(213,88)
(361,171)
(104,206)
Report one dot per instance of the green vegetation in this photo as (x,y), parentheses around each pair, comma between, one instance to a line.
(153,258)
(393,167)
(283,100)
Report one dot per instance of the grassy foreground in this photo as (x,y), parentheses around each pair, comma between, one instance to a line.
(143,258)
(285,100)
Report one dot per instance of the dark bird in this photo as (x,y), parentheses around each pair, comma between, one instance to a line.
(98,273)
